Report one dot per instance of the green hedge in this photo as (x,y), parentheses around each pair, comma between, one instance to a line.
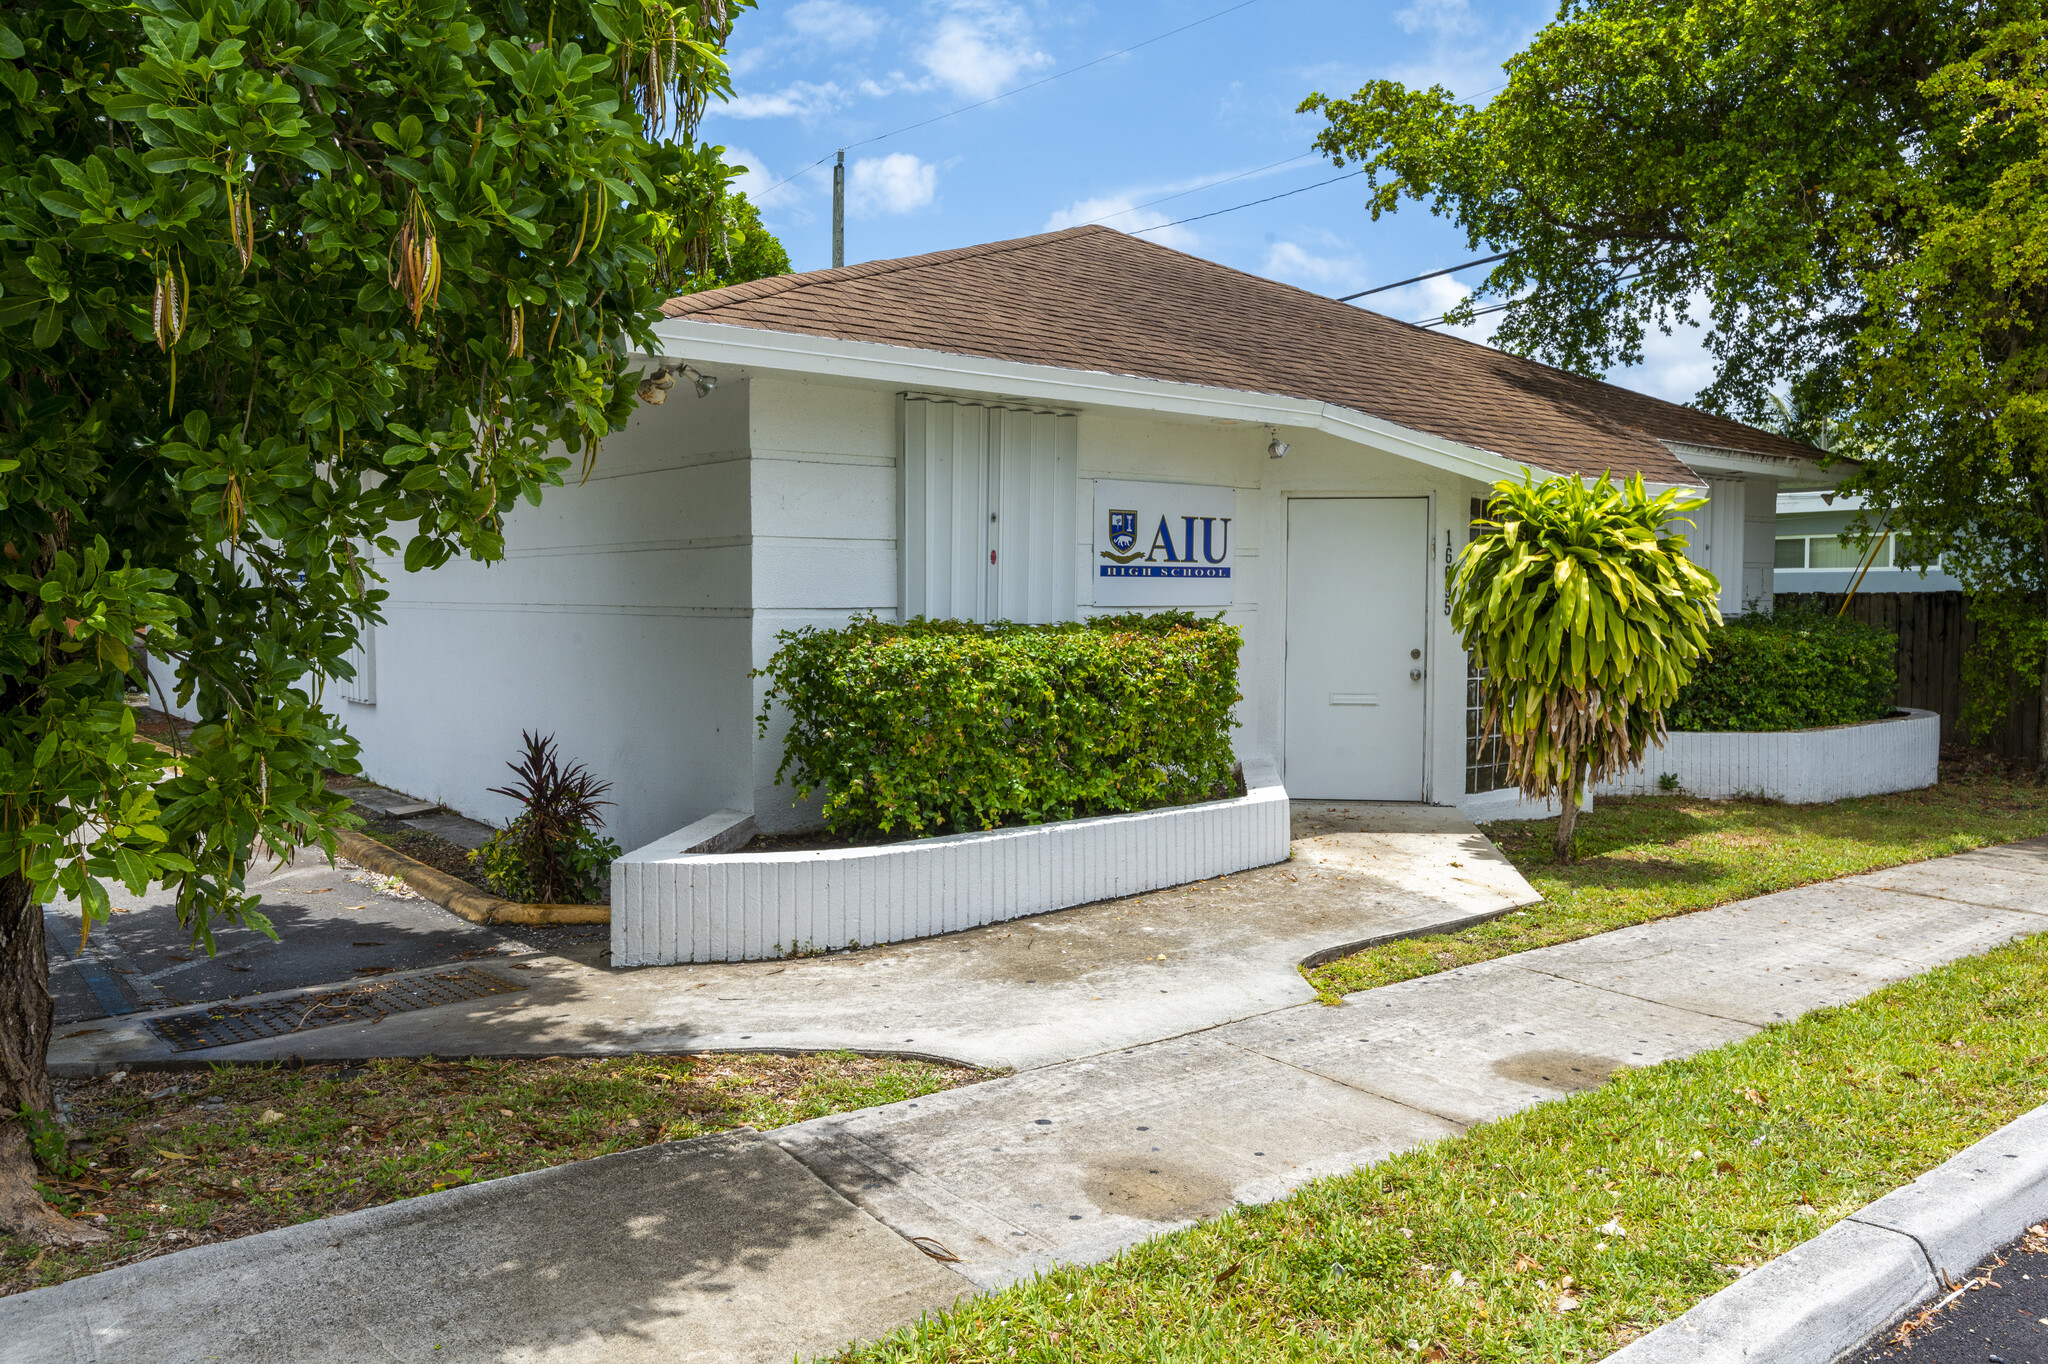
(940,726)
(1797,669)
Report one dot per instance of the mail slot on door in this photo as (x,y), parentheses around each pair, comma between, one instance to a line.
(1354,698)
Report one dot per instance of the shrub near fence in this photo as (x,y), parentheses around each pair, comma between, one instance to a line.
(1791,670)
(939,726)
(1935,633)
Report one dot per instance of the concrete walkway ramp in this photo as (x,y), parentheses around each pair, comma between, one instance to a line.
(1028,992)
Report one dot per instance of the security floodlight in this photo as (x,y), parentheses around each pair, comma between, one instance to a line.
(1278,449)
(655,388)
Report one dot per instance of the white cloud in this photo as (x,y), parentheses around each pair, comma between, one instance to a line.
(1462,51)
(1295,264)
(808,27)
(896,183)
(1123,217)
(981,47)
(800,100)
(832,23)
(759,183)
(1427,301)
(1675,367)
(1439,18)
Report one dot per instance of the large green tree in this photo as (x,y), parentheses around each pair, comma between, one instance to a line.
(1849,196)
(281,280)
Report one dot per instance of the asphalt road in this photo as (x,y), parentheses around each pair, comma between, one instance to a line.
(2005,1321)
(330,928)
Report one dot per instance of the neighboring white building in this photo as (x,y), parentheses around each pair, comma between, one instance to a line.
(1811,557)
(1035,430)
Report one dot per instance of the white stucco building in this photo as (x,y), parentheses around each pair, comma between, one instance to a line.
(1006,431)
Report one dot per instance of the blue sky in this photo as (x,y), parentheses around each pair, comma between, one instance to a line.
(1203,115)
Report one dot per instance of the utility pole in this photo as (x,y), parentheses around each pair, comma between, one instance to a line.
(839,212)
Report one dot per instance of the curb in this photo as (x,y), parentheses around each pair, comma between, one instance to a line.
(458,896)
(1825,1298)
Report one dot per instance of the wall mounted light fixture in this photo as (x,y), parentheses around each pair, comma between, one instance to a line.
(1276,448)
(654,389)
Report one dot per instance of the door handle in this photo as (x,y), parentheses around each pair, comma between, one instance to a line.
(1415,674)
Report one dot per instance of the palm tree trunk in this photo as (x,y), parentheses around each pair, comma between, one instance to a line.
(1568,817)
(25,1017)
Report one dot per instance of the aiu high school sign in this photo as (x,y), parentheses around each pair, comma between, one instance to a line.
(1163,544)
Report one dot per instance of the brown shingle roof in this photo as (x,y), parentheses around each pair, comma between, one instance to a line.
(1093,298)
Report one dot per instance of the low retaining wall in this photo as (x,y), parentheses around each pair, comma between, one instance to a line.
(683,898)
(1901,752)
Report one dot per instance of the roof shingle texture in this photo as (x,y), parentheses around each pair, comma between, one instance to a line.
(1093,298)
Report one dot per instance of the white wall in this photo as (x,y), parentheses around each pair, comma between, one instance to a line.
(1759,541)
(1733,538)
(1318,464)
(823,475)
(824,490)
(618,621)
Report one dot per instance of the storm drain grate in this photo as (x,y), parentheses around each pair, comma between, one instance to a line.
(223,1025)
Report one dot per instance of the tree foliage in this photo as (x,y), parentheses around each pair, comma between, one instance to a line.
(749,251)
(1851,196)
(282,281)
(279,280)
(1581,607)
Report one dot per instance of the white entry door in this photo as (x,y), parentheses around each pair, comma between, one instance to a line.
(1357,613)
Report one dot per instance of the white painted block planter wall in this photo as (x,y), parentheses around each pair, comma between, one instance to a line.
(1800,767)
(674,905)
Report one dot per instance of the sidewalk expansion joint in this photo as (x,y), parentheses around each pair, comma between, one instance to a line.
(1461,1124)
(1642,999)
(1958,900)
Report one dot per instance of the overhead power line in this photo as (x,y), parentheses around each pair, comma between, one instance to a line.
(1447,270)
(1250,204)
(1031,85)
(1476,312)
(1498,307)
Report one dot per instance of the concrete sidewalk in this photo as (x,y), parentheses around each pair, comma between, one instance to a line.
(1059,1163)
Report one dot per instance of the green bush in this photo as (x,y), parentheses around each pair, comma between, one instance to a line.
(582,871)
(941,726)
(1797,669)
(552,853)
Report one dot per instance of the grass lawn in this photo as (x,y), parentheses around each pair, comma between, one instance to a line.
(1649,857)
(167,1161)
(1564,1231)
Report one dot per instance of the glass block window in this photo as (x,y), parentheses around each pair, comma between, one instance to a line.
(1486,753)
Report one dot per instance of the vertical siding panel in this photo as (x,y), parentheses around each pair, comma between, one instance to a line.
(810,934)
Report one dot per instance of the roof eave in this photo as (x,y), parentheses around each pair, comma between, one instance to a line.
(715,343)
(1716,459)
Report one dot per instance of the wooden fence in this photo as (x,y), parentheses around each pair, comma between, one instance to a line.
(1935,631)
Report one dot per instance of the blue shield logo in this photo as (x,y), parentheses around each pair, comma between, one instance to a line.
(1123,530)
